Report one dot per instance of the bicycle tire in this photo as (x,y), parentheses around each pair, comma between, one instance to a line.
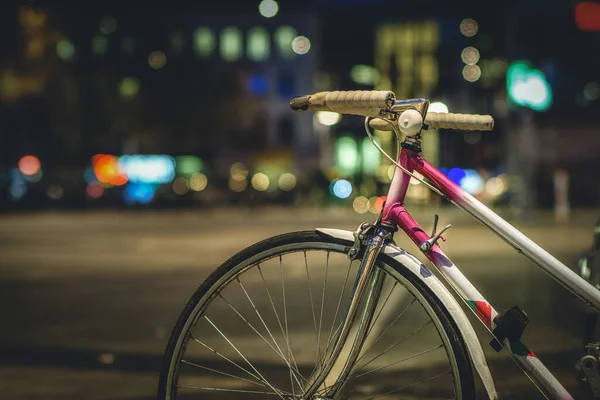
(167,385)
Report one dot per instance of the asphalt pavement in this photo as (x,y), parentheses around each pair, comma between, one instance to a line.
(88,299)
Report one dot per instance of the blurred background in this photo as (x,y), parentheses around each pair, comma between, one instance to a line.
(110,112)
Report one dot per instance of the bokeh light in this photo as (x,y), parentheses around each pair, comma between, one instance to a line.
(361,204)
(29,165)
(341,188)
(287,182)
(129,87)
(495,186)
(180,185)
(157,59)
(268,8)
(260,182)
(301,45)
(471,73)
(438,107)
(55,192)
(328,118)
(238,185)
(469,27)
(198,182)
(238,171)
(108,170)
(470,55)
(108,25)
(94,190)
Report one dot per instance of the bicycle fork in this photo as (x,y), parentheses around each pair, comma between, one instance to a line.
(365,293)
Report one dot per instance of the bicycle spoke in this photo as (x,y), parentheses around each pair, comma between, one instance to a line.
(322,305)
(337,309)
(222,373)
(408,386)
(385,330)
(231,390)
(241,355)
(399,361)
(278,350)
(381,309)
(396,344)
(225,358)
(287,333)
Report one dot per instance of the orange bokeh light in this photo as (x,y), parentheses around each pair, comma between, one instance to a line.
(29,165)
(107,170)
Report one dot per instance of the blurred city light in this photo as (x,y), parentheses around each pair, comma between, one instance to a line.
(99,44)
(94,190)
(587,16)
(55,192)
(17,191)
(260,182)
(438,107)
(301,45)
(204,41)
(361,204)
(528,87)
(346,155)
(472,182)
(376,204)
(591,90)
(65,49)
(180,185)
(469,27)
(470,55)
(129,87)
(142,193)
(188,165)
(148,168)
(268,8)
(370,156)
(198,182)
(365,75)
(287,182)
(108,170)
(258,44)
(29,165)
(414,181)
(108,25)
(494,186)
(328,118)
(284,36)
(456,175)
(238,186)
(258,84)
(238,172)
(157,59)
(471,73)
(341,188)
(231,45)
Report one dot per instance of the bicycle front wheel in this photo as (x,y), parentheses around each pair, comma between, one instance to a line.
(265,320)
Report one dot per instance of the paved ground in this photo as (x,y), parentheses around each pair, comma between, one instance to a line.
(87,300)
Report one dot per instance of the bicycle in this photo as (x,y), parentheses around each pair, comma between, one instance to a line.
(203,354)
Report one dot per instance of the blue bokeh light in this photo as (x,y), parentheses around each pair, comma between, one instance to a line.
(456,175)
(341,189)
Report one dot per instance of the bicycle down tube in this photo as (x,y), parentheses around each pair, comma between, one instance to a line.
(395,213)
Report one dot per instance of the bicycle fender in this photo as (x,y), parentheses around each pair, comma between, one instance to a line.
(421,272)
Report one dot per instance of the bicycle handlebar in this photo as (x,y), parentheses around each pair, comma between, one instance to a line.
(465,122)
(371,103)
(367,103)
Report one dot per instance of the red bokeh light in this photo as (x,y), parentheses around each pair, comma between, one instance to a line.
(587,16)
(107,170)
(29,165)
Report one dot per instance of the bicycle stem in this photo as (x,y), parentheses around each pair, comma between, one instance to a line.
(367,290)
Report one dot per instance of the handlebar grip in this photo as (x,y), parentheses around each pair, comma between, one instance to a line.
(367,103)
(465,122)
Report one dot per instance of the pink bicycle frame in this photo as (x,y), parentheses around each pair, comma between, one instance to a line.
(394,213)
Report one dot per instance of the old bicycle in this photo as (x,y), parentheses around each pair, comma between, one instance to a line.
(319,304)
